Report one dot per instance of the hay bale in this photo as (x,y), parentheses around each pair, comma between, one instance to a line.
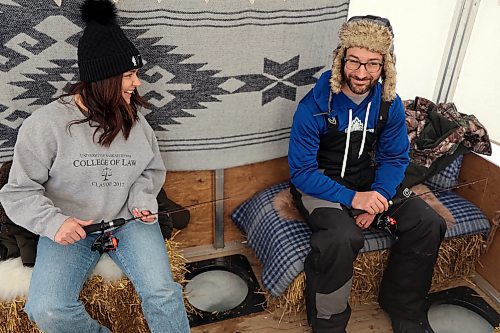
(114,304)
(457,259)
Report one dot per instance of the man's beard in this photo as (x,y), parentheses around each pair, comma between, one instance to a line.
(357,89)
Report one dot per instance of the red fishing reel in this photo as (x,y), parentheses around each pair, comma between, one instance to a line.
(388,224)
(105,242)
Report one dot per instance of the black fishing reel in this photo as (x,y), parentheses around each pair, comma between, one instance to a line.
(105,242)
(388,224)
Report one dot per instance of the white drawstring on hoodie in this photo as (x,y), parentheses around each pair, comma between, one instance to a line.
(344,163)
(364,129)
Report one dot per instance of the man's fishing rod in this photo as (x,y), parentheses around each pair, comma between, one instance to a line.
(388,223)
(398,201)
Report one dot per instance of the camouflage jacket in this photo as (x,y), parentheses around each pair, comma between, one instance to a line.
(438,130)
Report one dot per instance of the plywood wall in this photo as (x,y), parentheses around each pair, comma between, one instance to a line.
(241,183)
(485,195)
(196,190)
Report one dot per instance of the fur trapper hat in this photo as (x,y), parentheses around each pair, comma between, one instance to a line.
(375,34)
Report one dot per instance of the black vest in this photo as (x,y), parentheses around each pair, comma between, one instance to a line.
(359,172)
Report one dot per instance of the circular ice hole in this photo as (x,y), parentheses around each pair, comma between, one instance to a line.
(216,291)
(449,318)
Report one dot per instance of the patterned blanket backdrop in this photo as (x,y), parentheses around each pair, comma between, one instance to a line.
(224,77)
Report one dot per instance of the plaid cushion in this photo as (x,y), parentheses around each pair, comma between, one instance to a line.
(282,245)
(469,219)
(447,177)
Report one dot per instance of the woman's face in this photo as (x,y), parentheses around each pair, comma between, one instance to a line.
(130,81)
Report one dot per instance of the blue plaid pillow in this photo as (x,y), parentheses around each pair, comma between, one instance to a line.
(448,177)
(281,245)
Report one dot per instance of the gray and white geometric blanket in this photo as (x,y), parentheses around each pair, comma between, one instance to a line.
(224,77)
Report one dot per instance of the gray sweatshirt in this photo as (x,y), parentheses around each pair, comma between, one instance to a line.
(60,172)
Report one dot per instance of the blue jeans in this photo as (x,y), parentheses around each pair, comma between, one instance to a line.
(60,271)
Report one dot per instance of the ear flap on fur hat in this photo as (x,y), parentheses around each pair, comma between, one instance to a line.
(336,78)
(389,78)
(372,33)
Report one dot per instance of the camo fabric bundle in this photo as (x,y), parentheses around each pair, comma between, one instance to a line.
(438,130)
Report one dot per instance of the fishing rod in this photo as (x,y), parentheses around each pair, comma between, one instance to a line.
(107,242)
(102,226)
(389,224)
(398,201)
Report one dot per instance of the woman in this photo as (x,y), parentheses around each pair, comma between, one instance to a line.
(86,157)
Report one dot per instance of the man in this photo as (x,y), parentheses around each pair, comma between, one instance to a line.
(347,152)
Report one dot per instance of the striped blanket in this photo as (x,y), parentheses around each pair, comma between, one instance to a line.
(224,77)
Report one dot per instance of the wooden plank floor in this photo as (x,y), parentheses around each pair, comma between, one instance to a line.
(364,319)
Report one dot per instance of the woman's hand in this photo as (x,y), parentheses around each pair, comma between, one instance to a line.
(144,215)
(364,220)
(71,231)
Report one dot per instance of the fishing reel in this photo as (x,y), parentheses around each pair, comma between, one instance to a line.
(105,242)
(388,224)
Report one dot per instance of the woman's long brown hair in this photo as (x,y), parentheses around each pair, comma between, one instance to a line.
(105,108)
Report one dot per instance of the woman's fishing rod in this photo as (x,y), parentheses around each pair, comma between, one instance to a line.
(105,225)
(107,242)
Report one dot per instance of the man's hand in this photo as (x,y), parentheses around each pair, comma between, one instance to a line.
(71,231)
(364,220)
(144,215)
(371,202)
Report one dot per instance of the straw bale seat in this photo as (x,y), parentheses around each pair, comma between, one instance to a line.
(111,300)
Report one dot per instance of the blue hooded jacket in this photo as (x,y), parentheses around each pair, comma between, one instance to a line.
(310,125)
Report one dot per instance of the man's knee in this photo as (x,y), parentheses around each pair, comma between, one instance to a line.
(418,217)
(431,224)
(338,222)
(330,244)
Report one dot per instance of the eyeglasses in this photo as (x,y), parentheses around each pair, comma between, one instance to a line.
(370,66)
